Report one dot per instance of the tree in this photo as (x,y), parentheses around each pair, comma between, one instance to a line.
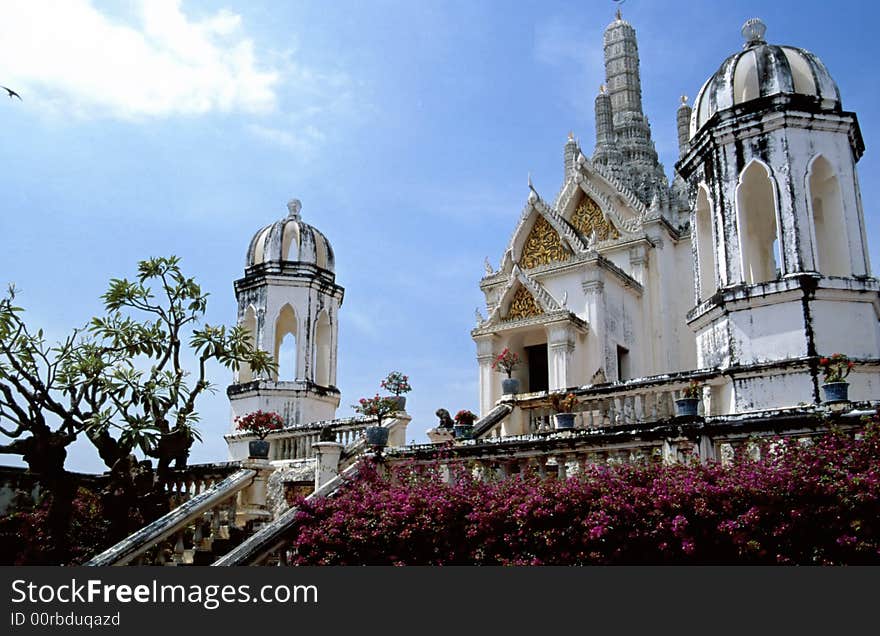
(121,380)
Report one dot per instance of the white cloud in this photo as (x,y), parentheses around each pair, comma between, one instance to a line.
(302,143)
(72,56)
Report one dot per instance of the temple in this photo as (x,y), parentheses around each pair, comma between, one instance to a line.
(679,320)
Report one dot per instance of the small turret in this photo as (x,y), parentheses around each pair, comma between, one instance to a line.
(570,154)
(683,119)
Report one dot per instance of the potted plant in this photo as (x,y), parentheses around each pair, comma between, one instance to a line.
(378,407)
(259,423)
(507,361)
(688,404)
(464,423)
(564,405)
(397,384)
(835,370)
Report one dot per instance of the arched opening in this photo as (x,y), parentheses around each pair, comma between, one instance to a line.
(756,214)
(322,350)
(290,239)
(285,343)
(249,322)
(705,245)
(829,224)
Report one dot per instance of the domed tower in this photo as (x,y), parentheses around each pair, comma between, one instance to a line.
(289,301)
(778,233)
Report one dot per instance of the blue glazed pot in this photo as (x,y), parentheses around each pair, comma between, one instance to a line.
(462,431)
(377,436)
(258,449)
(401,402)
(564,421)
(836,391)
(510,386)
(687,407)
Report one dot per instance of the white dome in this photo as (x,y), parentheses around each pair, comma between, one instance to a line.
(761,70)
(290,240)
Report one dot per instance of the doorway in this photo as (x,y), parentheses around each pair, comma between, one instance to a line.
(539,377)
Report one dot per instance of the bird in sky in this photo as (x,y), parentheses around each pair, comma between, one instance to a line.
(11,92)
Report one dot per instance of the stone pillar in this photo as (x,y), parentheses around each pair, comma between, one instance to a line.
(560,342)
(485,358)
(594,307)
(253,502)
(706,449)
(326,462)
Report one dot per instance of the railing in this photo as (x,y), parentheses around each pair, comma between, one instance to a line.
(189,534)
(265,544)
(620,404)
(183,484)
(297,442)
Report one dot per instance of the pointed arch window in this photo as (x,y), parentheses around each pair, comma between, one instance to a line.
(758,224)
(285,343)
(829,223)
(706,267)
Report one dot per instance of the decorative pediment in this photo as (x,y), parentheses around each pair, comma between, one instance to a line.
(618,206)
(522,306)
(589,221)
(542,246)
(522,298)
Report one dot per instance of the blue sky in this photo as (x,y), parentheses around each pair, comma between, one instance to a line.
(407,129)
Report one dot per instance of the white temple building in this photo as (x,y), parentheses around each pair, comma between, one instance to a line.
(732,282)
(753,263)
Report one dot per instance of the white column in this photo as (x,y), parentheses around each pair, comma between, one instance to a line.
(326,461)
(560,341)
(485,358)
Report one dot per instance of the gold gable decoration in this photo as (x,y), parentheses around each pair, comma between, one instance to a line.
(542,246)
(523,305)
(589,218)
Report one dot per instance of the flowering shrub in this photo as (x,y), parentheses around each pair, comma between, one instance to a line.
(563,403)
(694,390)
(25,536)
(465,417)
(836,368)
(377,407)
(259,423)
(396,383)
(800,504)
(506,361)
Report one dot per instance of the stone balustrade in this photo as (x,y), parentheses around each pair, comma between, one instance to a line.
(196,532)
(297,442)
(608,405)
(183,484)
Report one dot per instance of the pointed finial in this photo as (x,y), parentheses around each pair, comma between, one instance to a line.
(684,100)
(293,208)
(603,89)
(531,187)
(570,135)
(753,31)
(619,17)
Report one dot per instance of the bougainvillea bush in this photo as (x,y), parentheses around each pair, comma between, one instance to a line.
(815,503)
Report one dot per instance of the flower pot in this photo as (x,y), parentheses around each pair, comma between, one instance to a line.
(258,449)
(687,407)
(564,421)
(510,386)
(463,431)
(377,436)
(401,402)
(836,391)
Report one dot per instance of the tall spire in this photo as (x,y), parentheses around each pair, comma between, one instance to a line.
(630,143)
(622,67)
